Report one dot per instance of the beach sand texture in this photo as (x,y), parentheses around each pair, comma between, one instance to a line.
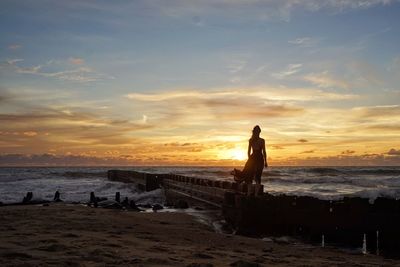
(75,235)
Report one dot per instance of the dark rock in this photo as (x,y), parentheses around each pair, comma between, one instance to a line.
(118,197)
(125,202)
(169,203)
(57,197)
(109,204)
(181,204)
(132,206)
(28,197)
(157,207)
(92,197)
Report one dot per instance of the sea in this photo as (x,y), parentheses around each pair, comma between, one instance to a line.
(76,183)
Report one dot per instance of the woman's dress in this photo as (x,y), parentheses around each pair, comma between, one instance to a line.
(254,165)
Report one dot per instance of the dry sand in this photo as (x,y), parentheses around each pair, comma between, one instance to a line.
(74,235)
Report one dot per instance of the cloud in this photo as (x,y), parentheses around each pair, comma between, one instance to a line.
(288,71)
(325,80)
(304,41)
(205,106)
(259,9)
(29,70)
(348,152)
(388,127)
(11,62)
(266,93)
(302,140)
(307,152)
(81,74)
(343,160)
(384,112)
(76,60)
(237,66)
(393,151)
(62,127)
(14,46)
(30,133)
(394,66)
(48,159)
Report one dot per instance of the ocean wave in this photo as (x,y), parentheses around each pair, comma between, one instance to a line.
(305,180)
(81,174)
(330,171)
(75,184)
(338,180)
(377,172)
(324,171)
(374,194)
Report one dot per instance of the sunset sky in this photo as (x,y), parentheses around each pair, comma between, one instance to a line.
(168,82)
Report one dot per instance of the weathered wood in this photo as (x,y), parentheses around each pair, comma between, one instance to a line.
(252,211)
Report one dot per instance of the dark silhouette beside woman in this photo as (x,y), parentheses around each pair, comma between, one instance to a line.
(257,159)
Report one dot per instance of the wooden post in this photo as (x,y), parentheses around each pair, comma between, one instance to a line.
(92,198)
(57,197)
(28,197)
(258,189)
(251,190)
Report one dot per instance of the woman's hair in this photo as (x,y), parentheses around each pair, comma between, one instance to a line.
(256,132)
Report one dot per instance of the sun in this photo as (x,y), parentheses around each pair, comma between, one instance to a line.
(238,154)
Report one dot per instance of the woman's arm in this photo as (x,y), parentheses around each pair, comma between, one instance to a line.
(248,150)
(264,151)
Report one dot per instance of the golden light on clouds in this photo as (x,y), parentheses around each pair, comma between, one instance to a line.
(204,128)
(238,154)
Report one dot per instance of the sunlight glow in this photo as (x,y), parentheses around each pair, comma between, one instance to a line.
(235,154)
(239,154)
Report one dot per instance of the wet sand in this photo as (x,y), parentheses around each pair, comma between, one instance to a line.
(74,235)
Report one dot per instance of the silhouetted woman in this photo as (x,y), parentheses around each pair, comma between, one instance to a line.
(257,159)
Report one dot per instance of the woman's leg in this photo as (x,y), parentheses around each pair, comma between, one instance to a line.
(258,170)
(257,177)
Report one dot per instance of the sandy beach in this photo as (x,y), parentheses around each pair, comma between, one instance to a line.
(75,235)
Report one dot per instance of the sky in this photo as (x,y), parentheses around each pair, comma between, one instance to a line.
(183,82)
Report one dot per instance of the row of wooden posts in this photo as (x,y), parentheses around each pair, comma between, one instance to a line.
(254,212)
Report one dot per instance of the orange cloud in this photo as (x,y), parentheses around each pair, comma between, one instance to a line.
(14,46)
(76,60)
(199,128)
(394,152)
(302,140)
(326,80)
(30,133)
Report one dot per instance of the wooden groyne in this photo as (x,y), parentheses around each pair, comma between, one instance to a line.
(252,211)
(208,191)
